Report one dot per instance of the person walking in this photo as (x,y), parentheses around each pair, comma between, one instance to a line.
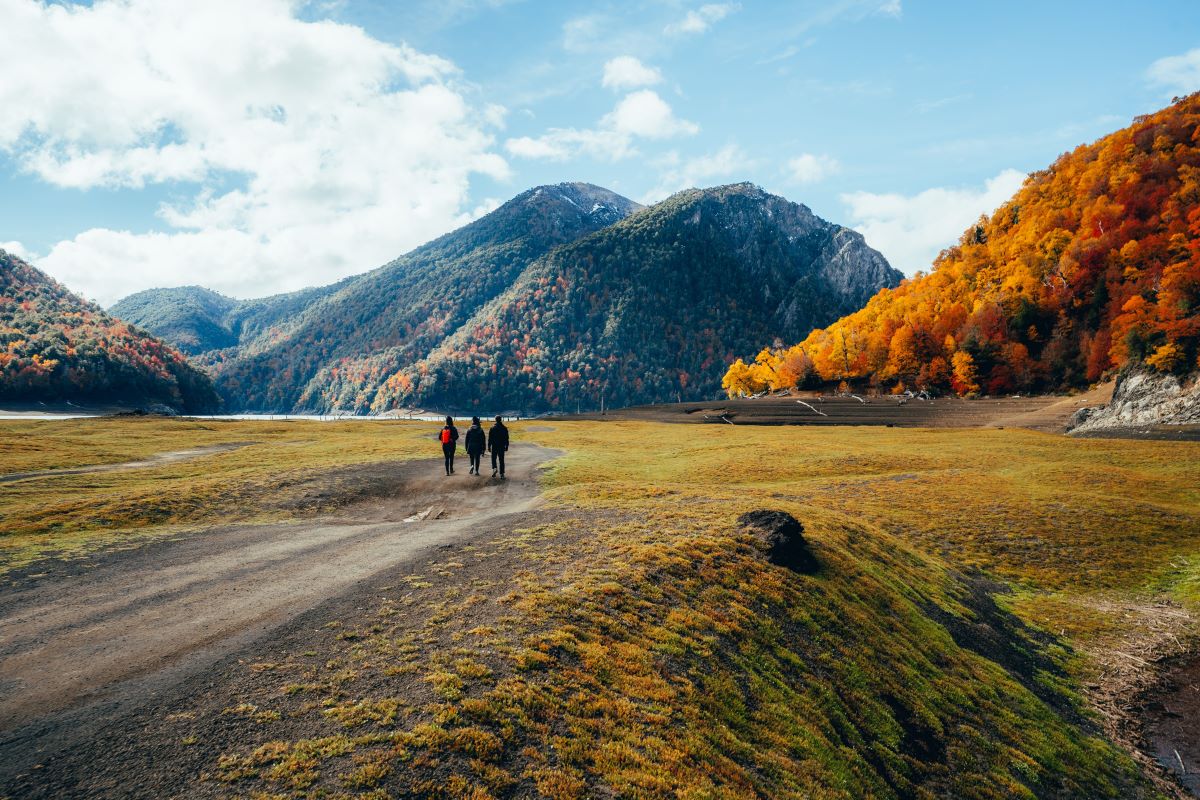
(476,443)
(449,439)
(498,444)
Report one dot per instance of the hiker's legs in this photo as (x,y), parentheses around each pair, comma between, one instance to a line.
(448,452)
(475,458)
(498,459)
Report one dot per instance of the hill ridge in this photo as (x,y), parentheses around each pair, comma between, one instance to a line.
(59,347)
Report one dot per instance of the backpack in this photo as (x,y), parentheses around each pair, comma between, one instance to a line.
(446,436)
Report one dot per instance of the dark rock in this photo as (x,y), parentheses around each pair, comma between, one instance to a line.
(1081,416)
(782,536)
(161,410)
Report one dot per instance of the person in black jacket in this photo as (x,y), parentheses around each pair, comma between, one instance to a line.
(476,443)
(449,439)
(498,444)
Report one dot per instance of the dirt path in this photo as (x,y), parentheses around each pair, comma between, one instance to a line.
(153,461)
(1054,417)
(79,649)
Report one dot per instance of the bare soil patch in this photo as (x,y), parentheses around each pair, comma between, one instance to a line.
(1041,413)
(266,691)
(1171,719)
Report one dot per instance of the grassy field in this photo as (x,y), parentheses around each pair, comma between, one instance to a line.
(284,468)
(631,640)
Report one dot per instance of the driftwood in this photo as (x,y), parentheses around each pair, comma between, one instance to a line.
(817,410)
(433,512)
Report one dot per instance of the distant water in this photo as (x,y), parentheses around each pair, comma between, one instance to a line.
(326,417)
(38,416)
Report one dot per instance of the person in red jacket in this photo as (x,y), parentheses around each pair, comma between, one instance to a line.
(449,439)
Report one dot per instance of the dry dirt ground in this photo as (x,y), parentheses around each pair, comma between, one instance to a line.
(1039,413)
(1048,414)
(109,664)
(1171,722)
(87,646)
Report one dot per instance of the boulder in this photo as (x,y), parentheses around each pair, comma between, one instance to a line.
(782,538)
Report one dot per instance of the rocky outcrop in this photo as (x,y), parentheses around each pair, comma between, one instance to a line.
(1143,397)
(781,536)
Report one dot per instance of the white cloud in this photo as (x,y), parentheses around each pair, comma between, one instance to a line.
(19,250)
(581,33)
(639,115)
(910,230)
(730,162)
(1178,74)
(343,151)
(561,144)
(811,168)
(645,114)
(627,72)
(891,8)
(700,19)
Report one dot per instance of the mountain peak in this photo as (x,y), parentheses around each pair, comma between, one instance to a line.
(586,197)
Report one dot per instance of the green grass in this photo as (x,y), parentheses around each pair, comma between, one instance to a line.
(64,515)
(635,642)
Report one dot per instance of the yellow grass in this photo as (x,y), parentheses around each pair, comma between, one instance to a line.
(64,515)
(647,646)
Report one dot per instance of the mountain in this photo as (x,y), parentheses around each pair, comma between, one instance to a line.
(1094,265)
(331,347)
(565,297)
(59,347)
(210,326)
(649,309)
(190,317)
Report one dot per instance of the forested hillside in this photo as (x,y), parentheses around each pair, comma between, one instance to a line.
(565,297)
(213,328)
(55,346)
(191,318)
(338,346)
(1094,264)
(648,310)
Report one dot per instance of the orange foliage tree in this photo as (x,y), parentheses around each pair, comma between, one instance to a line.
(1094,264)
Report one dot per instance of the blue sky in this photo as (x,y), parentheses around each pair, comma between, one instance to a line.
(260,147)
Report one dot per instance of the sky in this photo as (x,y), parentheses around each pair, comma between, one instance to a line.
(260,146)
